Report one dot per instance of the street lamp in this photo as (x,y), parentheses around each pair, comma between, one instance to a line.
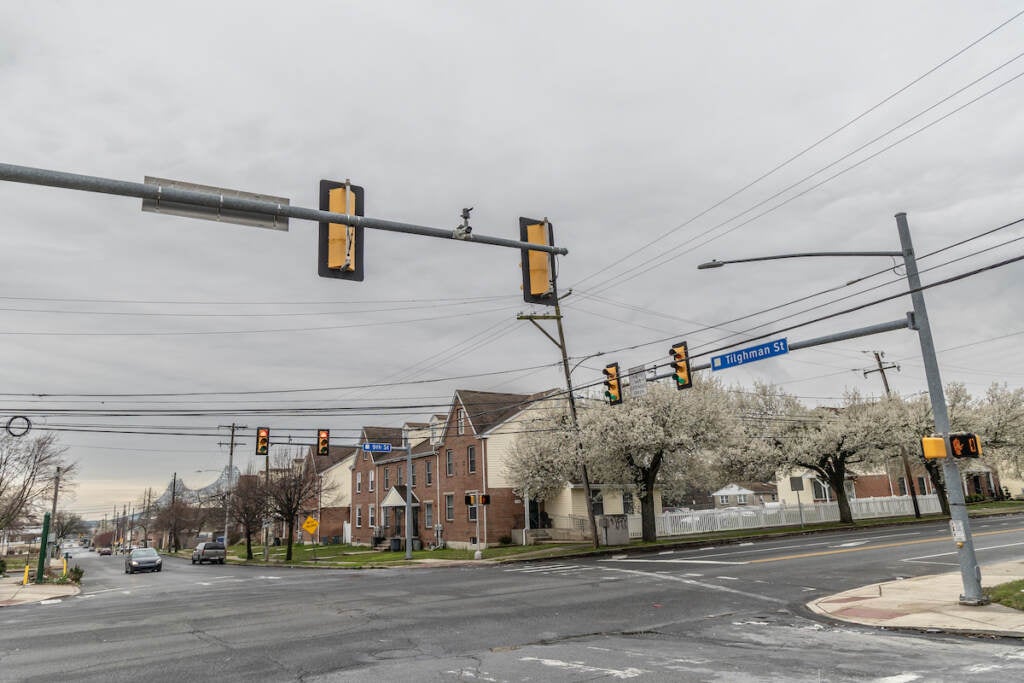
(959,524)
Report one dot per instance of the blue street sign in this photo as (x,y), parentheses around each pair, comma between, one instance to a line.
(776,347)
(377,447)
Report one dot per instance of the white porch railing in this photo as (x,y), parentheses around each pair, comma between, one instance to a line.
(756,517)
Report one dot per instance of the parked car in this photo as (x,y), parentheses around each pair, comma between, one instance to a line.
(105,551)
(143,560)
(209,551)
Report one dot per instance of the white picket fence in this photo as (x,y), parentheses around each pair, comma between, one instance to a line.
(756,517)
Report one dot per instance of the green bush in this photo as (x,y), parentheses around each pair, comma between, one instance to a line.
(505,540)
(75,574)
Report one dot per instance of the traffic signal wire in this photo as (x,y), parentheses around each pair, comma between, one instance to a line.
(810,147)
(669,255)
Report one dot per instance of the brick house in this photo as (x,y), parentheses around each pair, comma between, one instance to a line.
(332,504)
(459,453)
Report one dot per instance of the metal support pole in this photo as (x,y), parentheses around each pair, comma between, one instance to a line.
(53,509)
(227,493)
(959,522)
(75,181)
(408,494)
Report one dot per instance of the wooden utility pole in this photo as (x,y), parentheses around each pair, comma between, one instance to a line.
(882,367)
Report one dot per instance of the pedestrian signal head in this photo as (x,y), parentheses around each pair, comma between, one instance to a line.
(323,441)
(681,365)
(965,445)
(470,499)
(612,384)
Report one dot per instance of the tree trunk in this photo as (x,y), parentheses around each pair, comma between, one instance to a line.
(837,481)
(939,484)
(291,539)
(649,530)
(248,542)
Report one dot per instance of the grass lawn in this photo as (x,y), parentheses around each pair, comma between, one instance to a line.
(1010,594)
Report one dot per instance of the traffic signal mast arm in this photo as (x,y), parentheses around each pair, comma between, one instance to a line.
(86,183)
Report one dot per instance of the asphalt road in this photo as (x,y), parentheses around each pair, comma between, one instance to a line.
(725,613)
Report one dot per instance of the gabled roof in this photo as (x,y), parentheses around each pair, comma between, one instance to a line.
(486,410)
(745,488)
(391,435)
(396,498)
(335,454)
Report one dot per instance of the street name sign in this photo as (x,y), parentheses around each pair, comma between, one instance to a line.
(776,347)
(377,447)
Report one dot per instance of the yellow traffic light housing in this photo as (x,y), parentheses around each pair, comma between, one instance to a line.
(340,247)
(613,387)
(538,266)
(262,441)
(323,441)
(681,365)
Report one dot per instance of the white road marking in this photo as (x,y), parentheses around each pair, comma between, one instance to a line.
(678,560)
(54,601)
(851,544)
(580,667)
(898,678)
(699,584)
(666,552)
(954,552)
(728,578)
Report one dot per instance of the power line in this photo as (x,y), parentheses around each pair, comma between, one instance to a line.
(810,147)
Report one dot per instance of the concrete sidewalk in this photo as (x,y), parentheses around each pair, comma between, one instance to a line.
(13,593)
(928,603)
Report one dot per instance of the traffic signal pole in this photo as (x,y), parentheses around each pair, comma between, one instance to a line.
(970,572)
(225,202)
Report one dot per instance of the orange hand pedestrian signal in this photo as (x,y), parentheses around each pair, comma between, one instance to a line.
(323,441)
(965,445)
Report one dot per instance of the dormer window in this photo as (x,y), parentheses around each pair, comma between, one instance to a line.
(460,421)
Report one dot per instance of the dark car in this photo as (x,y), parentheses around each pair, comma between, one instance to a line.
(209,551)
(142,560)
(104,551)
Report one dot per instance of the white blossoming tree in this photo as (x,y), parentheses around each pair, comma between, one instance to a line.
(663,437)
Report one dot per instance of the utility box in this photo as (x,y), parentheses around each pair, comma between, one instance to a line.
(613,529)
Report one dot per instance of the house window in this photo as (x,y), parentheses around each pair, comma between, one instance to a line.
(413,482)
(741,499)
(428,514)
(902,486)
(387,478)
(461,421)
(597,500)
(372,509)
(359,516)
(921,488)
(472,510)
(433,433)
(627,504)
(398,475)
(821,490)
(724,500)
(449,507)
(384,516)
(851,490)
(471,458)
(369,482)
(449,463)
(359,482)
(430,472)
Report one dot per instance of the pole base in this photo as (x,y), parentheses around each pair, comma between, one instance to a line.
(478,555)
(974,602)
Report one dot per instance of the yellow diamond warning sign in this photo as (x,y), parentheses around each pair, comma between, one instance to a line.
(310,525)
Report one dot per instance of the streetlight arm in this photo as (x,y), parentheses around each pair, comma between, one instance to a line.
(718,264)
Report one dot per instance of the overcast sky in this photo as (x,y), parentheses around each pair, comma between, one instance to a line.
(638,128)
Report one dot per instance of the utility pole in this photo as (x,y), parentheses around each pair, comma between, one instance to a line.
(266,525)
(908,477)
(560,343)
(174,515)
(53,510)
(231,476)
